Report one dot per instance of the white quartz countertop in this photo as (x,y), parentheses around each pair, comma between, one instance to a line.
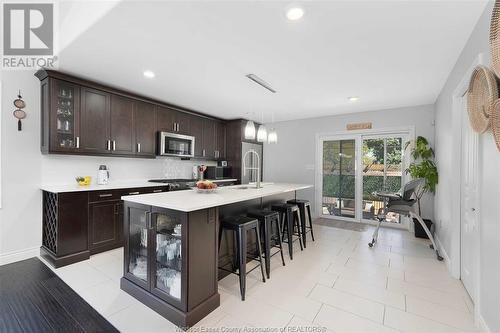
(61,188)
(190,200)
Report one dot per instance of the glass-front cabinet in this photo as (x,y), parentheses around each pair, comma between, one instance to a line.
(66,103)
(168,264)
(155,252)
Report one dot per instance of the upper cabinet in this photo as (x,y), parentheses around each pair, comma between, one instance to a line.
(122,129)
(145,129)
(170,120)
(87,118)
(64,98)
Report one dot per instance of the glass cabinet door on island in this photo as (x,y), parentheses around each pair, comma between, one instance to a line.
(137,267)
(167,271)
(66,122)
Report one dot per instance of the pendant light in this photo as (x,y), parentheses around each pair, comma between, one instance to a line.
(250,130)
(272,137)
(262,132)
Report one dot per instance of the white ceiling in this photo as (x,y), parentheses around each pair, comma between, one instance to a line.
(389,53)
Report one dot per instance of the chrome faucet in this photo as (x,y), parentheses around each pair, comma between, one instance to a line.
(245,168)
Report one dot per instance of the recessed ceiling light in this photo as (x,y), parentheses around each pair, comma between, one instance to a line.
(149,74)
(294,13)
(353,98)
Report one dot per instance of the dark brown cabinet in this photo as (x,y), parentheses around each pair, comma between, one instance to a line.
(81,117)
(65,227)
(65,100)
(171,260)
(145,129)
(78,224)
(104,226)
(122,126)
(197,132)
(95,119)
(170,120)
(209,139)
(220,142)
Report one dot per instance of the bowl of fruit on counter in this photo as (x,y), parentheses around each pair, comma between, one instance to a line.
(205,186)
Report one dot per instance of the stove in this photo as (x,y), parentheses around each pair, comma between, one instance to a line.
(176,184)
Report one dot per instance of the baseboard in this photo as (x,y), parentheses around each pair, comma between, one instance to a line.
(482,325)
(10,257)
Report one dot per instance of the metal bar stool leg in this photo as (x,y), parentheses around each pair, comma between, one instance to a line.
(289,227)
(242,260)
(303,225)
(310,221)
(296,218)
(267,245)
(259,249)
(280,243)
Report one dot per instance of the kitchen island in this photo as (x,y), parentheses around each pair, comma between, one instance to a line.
(171,253)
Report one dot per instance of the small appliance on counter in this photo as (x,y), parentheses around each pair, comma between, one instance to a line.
(217,172)
(103,175)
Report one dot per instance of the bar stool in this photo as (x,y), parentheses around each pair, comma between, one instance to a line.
(266,219)
(303,205)
(289,219)
(240,225)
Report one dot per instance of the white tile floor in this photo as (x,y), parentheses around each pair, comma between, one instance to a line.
(337,284)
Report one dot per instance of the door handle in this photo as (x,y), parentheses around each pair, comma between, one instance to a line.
(157,191)
(107,195)
(178,127)
(138,147)
(77,139)
(114,145)
(203,153)
(108,145)
(133,193)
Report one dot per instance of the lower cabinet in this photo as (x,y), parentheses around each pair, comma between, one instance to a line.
(78,224)
(105,226)
(171,261)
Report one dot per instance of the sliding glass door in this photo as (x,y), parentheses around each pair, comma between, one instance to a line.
(382,170)
(339,178)
(355,166)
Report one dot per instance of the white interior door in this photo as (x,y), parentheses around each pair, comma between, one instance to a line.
(469,205)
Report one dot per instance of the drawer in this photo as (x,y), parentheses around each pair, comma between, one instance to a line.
(96,196)
(158,189)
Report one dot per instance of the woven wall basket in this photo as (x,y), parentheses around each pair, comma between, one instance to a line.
(482,94)
(495,123)
(495,38)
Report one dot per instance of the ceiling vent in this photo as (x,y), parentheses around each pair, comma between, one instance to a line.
(260,82)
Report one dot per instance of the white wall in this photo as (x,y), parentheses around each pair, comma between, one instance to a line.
(489,166)
(24,168)
(293,159)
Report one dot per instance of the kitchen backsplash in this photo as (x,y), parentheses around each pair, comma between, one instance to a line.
(63,169)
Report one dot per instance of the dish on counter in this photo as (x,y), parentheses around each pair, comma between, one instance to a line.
(205,186)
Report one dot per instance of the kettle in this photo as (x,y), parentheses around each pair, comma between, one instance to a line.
(103,175)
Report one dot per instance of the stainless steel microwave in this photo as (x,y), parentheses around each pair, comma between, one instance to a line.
(173,144)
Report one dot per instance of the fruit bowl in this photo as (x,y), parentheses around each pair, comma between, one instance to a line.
(205,186)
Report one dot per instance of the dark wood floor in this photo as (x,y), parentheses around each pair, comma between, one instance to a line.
(34,299)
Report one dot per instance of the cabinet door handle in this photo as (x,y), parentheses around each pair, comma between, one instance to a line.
(114,145)
(203,153)
(107,195)
(133,193)
(138,147)
(108,145)
(157,191)
(77,144)
(175,127)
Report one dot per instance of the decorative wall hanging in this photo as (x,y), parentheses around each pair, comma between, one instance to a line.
(358,126)
(19,113)
(482,94)
(495,123)
(495,38)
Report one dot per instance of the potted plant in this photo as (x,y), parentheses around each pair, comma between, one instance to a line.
(423,166)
